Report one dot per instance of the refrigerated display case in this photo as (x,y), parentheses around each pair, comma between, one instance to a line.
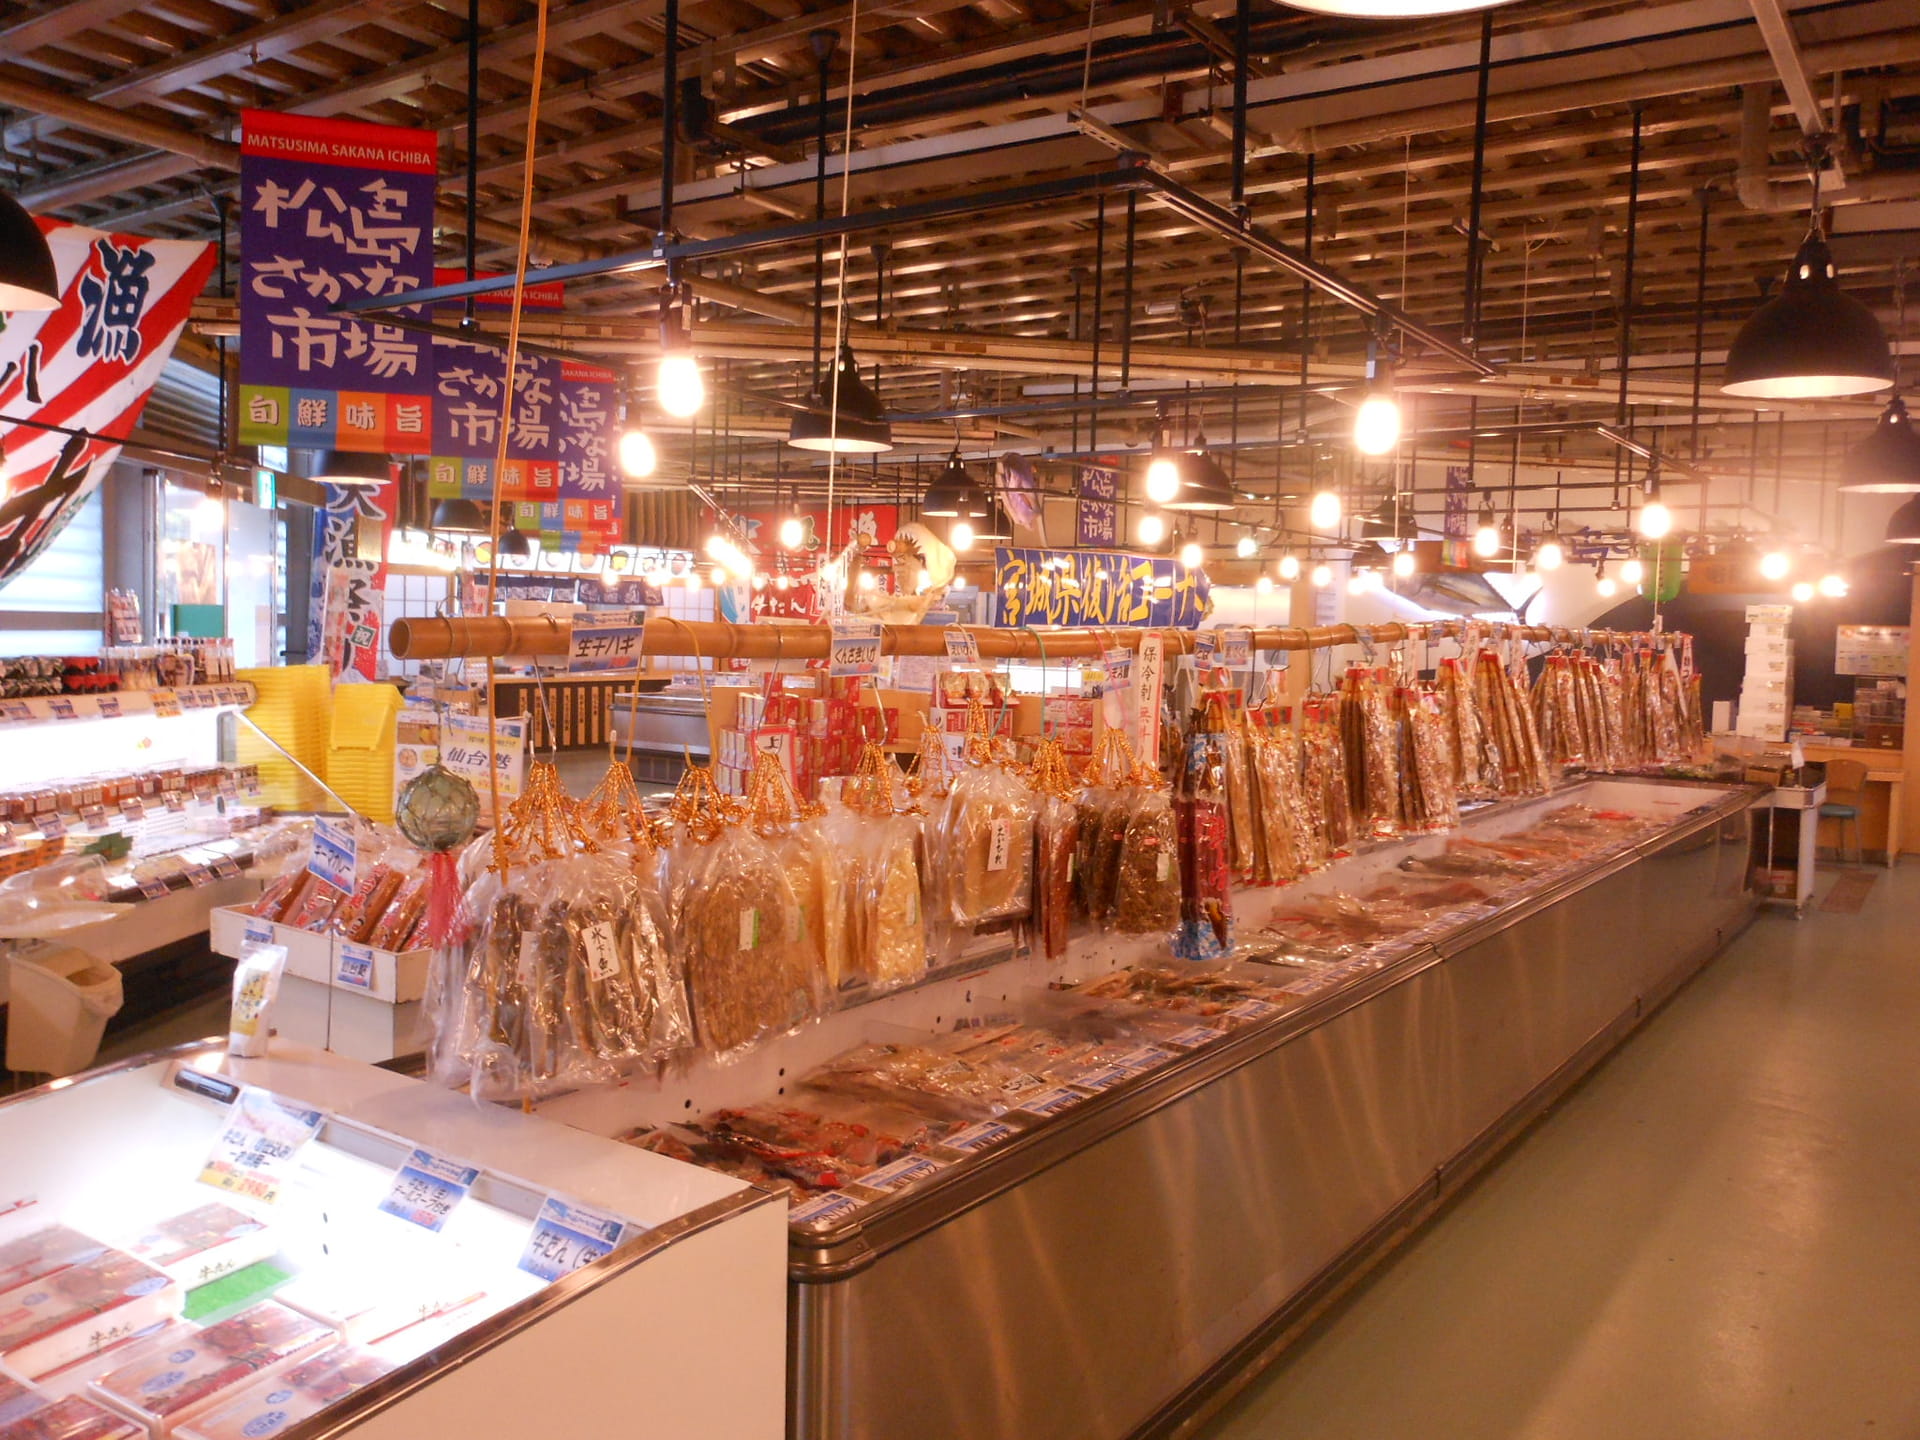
(1178,1162)
(303,1245)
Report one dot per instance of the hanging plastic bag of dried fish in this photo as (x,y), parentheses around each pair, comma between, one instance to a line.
(1102,808)
(986,827)
(1201,808)
(791,828)
(1056,842)
(735,925)
(876,857)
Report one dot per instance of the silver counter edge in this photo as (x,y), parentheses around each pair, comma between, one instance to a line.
(1261,1175)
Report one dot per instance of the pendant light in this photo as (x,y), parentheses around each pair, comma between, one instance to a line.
(28,280)
(1802,592)
(1163,477)
(1655,520)
(1887,462)
(1549,554)
(679,388)
(1152,529)
(949,489)
(1778,564)
(993,523)
(1392,519)
(353,469)
(1289,567)
(1903,526)
(459,516)
(1486,535)
(843,417)
(514,545)
(1246,547)
(1812,340)
(1323,511)
(1376,424)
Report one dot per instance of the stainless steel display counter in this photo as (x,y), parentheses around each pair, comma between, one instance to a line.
(664,728)
(1099,1275)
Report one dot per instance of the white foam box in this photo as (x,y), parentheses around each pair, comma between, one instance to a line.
(82,1310)
(1764,641)
(393,977)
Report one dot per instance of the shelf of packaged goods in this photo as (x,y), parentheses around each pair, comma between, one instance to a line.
(70,709)
(147,824)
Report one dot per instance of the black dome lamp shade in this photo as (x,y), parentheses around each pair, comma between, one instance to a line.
(844,416)
(1203,484)
(355,469)
(943,498)
(1810,341)
(1903,526)
(1887,462)
(459,516)
(514,545)
(28,280)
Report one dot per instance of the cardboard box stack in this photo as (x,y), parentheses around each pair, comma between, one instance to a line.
(818,723)
(1766,693)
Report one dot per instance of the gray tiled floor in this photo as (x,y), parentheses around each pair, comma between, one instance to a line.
(1717,1236)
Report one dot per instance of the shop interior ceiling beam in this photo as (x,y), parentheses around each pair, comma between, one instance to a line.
(1777,30)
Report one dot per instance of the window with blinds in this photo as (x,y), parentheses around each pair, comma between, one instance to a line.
(53,607)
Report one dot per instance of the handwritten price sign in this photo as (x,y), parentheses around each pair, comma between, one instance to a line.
(426,1189)
(565,1237)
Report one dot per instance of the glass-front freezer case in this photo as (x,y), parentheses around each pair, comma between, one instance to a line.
(210,1248)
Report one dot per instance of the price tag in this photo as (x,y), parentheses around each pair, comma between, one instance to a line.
(1051,1101)
(61,708)
(108,706)
(15,710)
(603,955)
(980,1136)
(166,704)
(95,816)
(256,1147)
(256,932)
(426,1188)
(910,1170)
(855,648)
(565,1237)
(227,787)
(355,969)
(226,868)
(195,699)
(777,741)
(1206,643)
(51,827)
(1105,1078)
(835,1205)
(601,647)
(1119,667)
(1253,1010)
(963,647)
(133,809)
(1306,985)
(198,876)
(1147,1057)
(750,929)
(153,889)
(335,851)
(999,844)
(1236,649)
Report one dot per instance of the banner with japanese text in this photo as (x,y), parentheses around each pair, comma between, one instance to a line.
(1098,521)
(333,210)
(559,480)
(1098,587)
(346,600)
(88,366)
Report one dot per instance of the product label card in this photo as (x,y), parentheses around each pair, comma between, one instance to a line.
(16,710)
(1206,644)
(999,844)
(567,1236)
(603,954)
(256,932)
(1236,648)
(95,816)
(963,648)
(166,704)
(600,647)
(855,648)
(1253,1010)
(109,706)
(427,1187)
(335,847)
(51,827)
(909,1170)
(133,809)
(749,929)
(355,969)
(834,1205)
(1307,984)
(1105,1078)
(226,868)
(1194,1036)
(61,708)
(980,1136)
(153,889)
(198,876)
(255,1149)
(1051,1101)
(1147,1057)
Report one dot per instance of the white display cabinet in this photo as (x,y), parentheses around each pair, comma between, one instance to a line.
(677,1330)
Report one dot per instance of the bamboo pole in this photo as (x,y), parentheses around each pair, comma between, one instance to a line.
(478,637)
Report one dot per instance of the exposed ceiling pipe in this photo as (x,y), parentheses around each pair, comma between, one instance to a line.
(1753,180)
(1777,30)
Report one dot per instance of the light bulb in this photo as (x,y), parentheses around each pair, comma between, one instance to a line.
(1192,556)
(1608,587)
(1323,512)
(1486,541)
(1289,567)
(961,535)
(637,457)
(1322,577)
(792,532)
(1152,530)
(759,582)
(1404,563)
(1802,592)
(1163,479)
(680,390)
(1632,571)
(868,580)
(1245,546)
(692,581)
(1376,425)
(781,582)
(1776,565)
(1263,584)
(1550,555)
(718,575)
(1656,521)
(1832,586)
